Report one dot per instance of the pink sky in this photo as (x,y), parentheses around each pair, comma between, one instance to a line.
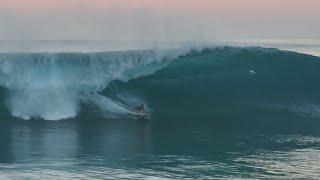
(259,16)
(198,6)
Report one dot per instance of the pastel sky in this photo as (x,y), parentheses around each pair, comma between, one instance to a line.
(158,19)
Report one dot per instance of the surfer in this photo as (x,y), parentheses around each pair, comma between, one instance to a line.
(140,109)
(252,72)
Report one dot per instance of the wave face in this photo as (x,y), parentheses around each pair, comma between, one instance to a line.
(200,84)
(217,85)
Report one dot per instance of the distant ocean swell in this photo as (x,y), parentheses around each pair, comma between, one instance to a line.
(207,83)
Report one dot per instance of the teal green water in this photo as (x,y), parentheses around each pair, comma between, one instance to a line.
(209,119)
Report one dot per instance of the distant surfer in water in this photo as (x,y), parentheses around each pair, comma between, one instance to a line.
(252,72)
(140,109)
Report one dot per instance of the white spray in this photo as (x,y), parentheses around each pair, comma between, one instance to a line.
(52,85)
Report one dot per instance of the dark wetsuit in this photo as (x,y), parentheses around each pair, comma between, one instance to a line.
(139,109)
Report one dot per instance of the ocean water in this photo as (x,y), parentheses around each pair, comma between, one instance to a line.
(68,115)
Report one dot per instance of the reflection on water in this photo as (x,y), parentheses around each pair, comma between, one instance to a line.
(123,149)
(70,139)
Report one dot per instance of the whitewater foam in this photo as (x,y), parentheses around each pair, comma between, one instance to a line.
(52,85)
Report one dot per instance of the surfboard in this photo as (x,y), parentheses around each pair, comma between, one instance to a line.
(140,115)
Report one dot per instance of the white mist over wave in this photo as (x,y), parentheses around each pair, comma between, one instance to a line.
(52,85)
(306,46)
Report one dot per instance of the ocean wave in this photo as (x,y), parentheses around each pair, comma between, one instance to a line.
(53,86)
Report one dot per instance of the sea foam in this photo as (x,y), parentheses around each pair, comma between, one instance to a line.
(52,85)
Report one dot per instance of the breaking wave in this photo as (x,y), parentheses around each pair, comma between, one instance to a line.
(56,86)
(52,85)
